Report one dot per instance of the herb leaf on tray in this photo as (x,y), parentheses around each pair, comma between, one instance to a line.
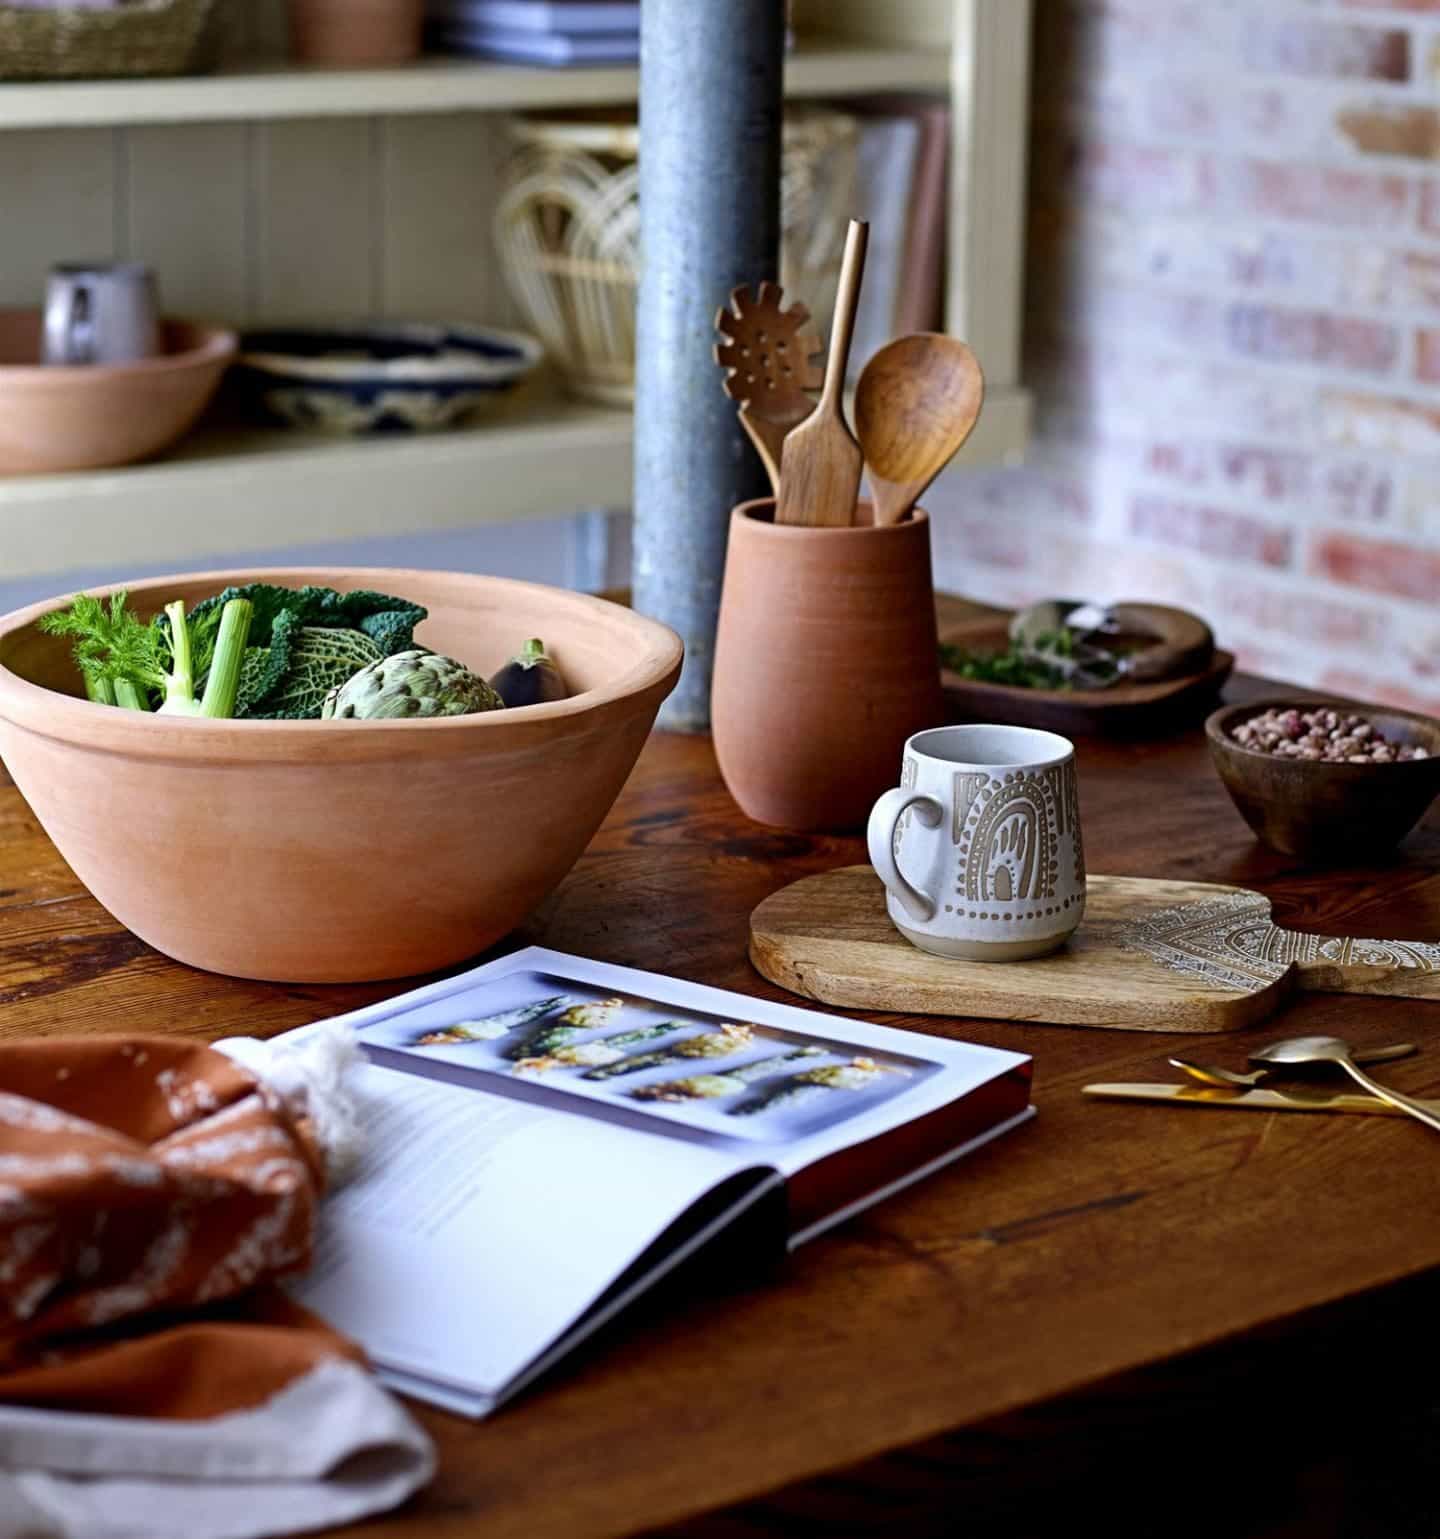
(1020,666)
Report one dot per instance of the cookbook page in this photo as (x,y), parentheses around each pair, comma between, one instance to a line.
(773,1083)
(537,1122)
(480,1228)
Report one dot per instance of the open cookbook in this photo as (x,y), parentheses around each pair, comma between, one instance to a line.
(548,1137)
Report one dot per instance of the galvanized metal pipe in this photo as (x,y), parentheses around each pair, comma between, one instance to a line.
(710,114)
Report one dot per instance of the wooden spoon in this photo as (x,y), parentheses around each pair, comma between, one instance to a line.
(820,462)
(915,405)
(770,366)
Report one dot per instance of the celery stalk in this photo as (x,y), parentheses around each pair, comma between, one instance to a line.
(98,688)
(129,695)
(180,680)
(223,682)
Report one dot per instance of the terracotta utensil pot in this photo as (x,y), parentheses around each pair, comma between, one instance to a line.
(329,852)
(825,664)
(356,33)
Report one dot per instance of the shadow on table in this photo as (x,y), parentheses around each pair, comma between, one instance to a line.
(1327,1432)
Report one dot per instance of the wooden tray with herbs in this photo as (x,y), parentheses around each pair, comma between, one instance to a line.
(1122,708)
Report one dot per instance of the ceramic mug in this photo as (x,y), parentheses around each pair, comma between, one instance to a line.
(100,313)
(987,822)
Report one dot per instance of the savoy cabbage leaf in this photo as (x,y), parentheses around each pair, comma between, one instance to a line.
(288,668)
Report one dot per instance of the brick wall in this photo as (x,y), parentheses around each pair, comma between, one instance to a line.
(1233,329)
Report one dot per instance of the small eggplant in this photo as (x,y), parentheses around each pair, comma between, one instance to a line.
(530,677)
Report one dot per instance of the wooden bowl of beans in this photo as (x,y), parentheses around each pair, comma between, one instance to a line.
(1325,780)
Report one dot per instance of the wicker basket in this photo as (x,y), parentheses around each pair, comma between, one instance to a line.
(568,231)
(141,37)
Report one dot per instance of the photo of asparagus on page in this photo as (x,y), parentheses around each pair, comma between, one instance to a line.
(855,1075)
(710,1044)
(601,1050)
(570,1025)
(550,1036)
(489,1027)
(712,1087)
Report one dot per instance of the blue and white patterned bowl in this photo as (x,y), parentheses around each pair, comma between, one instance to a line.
(381,378)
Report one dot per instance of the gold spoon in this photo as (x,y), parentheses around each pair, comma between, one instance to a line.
(1209,1074)
(1305,1050)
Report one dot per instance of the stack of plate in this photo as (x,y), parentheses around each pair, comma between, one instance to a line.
(552,32)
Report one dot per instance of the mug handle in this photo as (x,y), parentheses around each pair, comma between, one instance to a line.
(70,324)
(880,836)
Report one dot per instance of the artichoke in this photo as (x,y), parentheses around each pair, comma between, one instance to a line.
(414,683)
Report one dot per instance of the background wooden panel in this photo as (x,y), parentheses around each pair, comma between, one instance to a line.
(439,178)
(311,218)
(314,243)
(185,212)
(920,21)
(990,94)
(57,203)
(255,27)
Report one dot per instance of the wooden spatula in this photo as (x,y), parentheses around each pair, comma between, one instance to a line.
(771,367)
(915,405)
(821,462)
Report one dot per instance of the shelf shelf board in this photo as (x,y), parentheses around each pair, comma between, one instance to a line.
(229,492)
(279,89)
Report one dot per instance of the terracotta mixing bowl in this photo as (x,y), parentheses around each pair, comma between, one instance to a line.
(86,416)
(324,851)
(1328,813)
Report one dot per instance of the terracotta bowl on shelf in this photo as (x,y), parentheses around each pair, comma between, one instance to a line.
(326,851)
(356,34)
(88,416)
(1328,813)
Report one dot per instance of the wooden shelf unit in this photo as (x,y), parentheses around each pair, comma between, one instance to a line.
(245,490)
(257,90)
(266,192)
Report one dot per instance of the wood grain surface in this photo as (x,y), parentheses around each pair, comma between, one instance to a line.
(830,938)
(1100,1246)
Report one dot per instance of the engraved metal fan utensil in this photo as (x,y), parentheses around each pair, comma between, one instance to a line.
(771,365)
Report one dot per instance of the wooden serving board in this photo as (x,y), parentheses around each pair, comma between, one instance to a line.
(1121,709)
(1148,956)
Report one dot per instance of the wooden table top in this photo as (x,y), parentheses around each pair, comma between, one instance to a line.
(1101,1238)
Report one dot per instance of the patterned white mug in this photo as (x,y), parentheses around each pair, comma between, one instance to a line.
(987,821)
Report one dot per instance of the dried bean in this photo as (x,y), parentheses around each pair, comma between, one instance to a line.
(1322,737)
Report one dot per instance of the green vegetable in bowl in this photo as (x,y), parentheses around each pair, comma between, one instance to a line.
(122,659)
(413,683)
(320,659)
(289,669)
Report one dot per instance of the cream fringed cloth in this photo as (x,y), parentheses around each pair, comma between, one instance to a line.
(155,1383)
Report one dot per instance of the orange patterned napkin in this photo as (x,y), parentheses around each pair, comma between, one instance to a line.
(151,1192)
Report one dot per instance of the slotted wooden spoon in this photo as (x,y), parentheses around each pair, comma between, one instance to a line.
(820,463)
(770,365)
(916,403)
